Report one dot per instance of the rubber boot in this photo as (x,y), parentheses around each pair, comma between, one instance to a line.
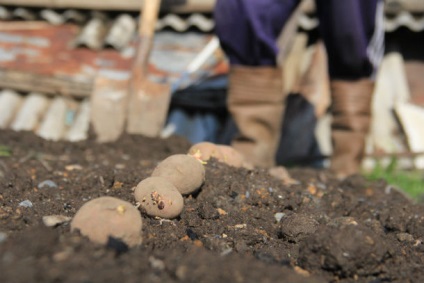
(256,103)
(351,110)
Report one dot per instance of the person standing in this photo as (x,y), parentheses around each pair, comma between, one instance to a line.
(353,35)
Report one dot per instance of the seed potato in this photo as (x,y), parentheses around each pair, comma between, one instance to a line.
(159,197)
(105,217)
(205,150)
(184,171)
(231,156)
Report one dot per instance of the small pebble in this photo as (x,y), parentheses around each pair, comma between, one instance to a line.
(55,220)
(405,237)
(73,167)
(226,252)
(62,255)
(3,237)
(156,263)
(240,226)
(48,184)
(279,215)
(26,203)
(342,221)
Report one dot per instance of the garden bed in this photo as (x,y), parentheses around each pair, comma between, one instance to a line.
(241,226)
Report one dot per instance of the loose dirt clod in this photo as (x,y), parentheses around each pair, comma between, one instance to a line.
(346,250)
(296,227)
(159,197)
(107,217)
(184,171)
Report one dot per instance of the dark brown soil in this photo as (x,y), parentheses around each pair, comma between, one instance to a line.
(330,231)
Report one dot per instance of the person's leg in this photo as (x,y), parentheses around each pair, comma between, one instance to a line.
(248,32)
(248,29)
(354,37)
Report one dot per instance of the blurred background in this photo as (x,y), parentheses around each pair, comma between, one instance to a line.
(65,66)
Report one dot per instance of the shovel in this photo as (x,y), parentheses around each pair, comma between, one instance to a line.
(148,100)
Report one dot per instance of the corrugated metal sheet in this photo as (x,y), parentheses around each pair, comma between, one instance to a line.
(26,61)
(84,42)
(405,19)
(27,65)
(98,29)
(53,118)
(175,6)
(391,23)
(102,29)
(202,22)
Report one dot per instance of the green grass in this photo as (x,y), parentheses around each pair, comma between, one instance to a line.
(411,182)
(5,151)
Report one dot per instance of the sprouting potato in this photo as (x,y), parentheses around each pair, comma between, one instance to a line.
(159,197)
(230,155)
(105,217)
(204,151)
(184,171)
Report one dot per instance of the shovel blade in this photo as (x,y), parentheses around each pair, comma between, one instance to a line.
(148,108)
(108,107)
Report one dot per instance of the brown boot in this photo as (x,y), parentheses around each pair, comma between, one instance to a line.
(351,109)
(255,100)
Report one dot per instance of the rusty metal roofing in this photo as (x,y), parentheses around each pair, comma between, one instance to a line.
(41,60)
(99,29)
(175,6)
(37,56)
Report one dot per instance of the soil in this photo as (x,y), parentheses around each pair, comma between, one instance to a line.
(241,226)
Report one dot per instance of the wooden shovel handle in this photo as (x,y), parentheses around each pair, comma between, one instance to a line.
(146,30)
(148,18)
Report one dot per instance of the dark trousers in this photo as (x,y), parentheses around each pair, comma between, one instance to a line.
(352,31)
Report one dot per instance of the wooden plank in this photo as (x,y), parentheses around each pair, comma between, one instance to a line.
(315,82)
(412,119)
(287,35)
(10,102)
(53,124)
(109,105)
(79,129)
(323,134)
(27,82)
(31,113)
(391,88)
(292,66)
(128,5)
(414,74)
